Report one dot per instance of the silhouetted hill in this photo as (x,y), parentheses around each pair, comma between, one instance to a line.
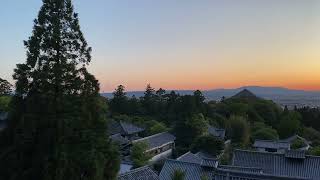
(245,94)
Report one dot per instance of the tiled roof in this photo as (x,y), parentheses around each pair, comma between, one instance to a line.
(271,144)
(129,128)
(114,127)
(123,128)
(278,164)
(157,140)
(240,168)
(192,171)
(119,139)
(190,157)
(295,154)
(195,158)
(206,162)
(143,173)
(204,155)
(220,133)
(233,174)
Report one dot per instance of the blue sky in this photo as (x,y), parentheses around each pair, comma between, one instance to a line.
(185,44)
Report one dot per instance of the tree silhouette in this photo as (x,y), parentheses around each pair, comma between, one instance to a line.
(57,126)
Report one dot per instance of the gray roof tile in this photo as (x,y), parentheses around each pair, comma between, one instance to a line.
(142,173)
(271,144)
(123,128)
(157,140)
(195,158)
(240,168)
(204,155)
(190,157)
(206,162)
(129,128)
(119,139)
(233,174)
(295,154)
(278,164)
(192,171)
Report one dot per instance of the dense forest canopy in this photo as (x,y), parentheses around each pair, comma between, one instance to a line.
(245,116)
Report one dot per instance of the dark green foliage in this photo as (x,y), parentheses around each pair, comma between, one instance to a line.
(239,109)
(289,124)
(157,127)
(4,103)
(5,87)
(119,102)
(254,109)
(139,155)
(315,151)
(265,134)
(268,111)
(217,120)
(57,124)
(261,131)
(238,130)
(208,144)
(148,100)
(310,117)
(187,131)
(311,134)
(298,143)
(178,175)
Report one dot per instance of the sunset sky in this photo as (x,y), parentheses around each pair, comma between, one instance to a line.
(186,44)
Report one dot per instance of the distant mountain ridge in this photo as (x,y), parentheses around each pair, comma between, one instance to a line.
(280,95)
(218,93)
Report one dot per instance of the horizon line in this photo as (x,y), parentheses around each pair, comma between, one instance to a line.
(222,88)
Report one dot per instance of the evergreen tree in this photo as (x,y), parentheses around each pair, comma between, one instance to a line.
(149,93)
(57,125)
(119,103)
(148,100)
(160,93)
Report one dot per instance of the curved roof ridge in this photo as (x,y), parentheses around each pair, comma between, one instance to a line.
(243,167)
(141,139)
(135,170)
(262,174)
(142,173)
(251,151)
(183,162)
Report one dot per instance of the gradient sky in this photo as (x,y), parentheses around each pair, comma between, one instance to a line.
(185,44)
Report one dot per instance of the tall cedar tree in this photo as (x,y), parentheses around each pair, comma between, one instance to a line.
(57,126)
(119,102)
(148,100)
